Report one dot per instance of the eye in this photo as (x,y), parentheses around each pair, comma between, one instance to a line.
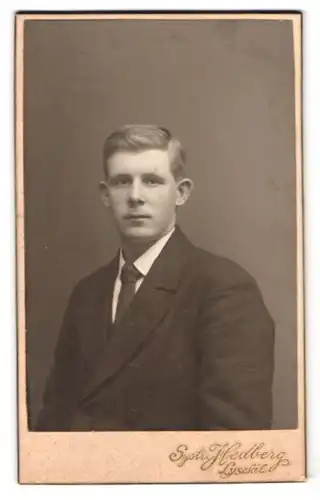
(120,181)
(152,180)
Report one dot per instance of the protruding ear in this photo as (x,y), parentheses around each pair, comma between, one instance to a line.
(104,193)
(184,188)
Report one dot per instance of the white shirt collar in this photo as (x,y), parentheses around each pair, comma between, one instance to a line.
(145,261)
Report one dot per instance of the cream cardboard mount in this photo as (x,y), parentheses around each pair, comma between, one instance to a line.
(140,456)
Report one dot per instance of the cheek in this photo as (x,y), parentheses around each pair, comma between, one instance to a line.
(117,199)
(165,197)
(164,203)
(117,208)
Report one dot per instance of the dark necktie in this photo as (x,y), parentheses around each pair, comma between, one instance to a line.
(129,276)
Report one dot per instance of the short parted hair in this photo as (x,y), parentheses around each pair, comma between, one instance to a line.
(137,138)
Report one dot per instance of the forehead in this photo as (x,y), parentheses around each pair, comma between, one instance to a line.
(137,163)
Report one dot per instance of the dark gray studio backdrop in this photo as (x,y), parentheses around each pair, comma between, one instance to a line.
(225,88)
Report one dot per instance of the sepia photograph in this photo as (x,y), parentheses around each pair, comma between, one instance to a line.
(159,247)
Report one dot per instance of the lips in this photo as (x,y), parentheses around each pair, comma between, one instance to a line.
(136,216)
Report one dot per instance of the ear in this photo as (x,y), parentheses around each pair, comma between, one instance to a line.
(104,193)
(184,188)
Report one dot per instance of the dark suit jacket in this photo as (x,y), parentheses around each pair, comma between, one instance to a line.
(194,351)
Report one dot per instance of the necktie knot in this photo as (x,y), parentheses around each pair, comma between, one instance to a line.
(129,274)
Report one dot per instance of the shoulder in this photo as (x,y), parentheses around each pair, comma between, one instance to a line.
(225,282)
(220,271)
(96,281)
(94,277)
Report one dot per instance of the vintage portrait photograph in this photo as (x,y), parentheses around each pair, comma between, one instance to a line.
(159,226)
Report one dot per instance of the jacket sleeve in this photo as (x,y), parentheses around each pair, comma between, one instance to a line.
(62,385)
(236,359)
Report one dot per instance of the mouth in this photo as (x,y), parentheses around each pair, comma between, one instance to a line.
(136,216)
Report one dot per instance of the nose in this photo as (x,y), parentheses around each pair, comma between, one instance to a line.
(135,193)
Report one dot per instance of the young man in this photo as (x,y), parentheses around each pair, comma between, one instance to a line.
(167,336)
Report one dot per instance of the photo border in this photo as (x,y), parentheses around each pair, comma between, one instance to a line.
(151,456)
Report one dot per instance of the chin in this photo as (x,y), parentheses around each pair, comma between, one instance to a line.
(140,234)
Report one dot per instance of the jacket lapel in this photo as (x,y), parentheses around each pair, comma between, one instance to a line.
(148,308)
(94,316)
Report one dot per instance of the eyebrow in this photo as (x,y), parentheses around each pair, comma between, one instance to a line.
(150,175)
(117,176)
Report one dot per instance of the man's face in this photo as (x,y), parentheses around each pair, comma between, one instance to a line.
(142,194)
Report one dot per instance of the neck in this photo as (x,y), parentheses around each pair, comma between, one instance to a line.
(132,249)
